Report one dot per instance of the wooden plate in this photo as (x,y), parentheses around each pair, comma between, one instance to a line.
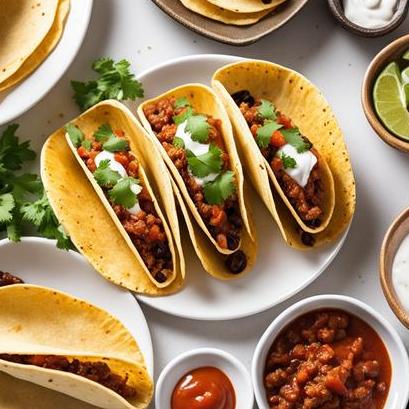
(234,35)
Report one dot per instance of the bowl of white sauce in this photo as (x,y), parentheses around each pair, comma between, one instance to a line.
(394,267)
(370,18)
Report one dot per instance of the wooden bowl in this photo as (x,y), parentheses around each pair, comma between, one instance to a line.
(337,9)
(393,238)
(228,34)
(390,53)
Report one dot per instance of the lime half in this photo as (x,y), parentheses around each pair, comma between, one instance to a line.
(390,103)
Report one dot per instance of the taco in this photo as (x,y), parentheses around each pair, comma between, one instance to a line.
(64,344)
(247,6)
(193,133)
(95,172)
(289,139)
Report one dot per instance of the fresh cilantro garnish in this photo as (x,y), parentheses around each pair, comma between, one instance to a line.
(294,138)
(75,134)
(182,102)
(220,189)
(288,161)
(122,194)
(110,141)
(103,133)
(22,199)
(203,165)
(183,116)
(178,142)
(115,82)
(265,132)
(267,110)
(198,127)
(86,143)
(105,176)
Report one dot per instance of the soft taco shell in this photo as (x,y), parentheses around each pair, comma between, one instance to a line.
(23,26)
(203,100)
(83,214)
(75,329)
(246,6)
(296,97)
(214,12)
(43,50)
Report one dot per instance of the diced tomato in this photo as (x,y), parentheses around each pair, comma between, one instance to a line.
(133,169)
(121,158)
(276,164)
(82,152)
(285,121)
(97,146)
(91,165)
(277,139)
(222,240)
(119,132)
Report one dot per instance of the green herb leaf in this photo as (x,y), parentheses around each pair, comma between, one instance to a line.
(182,102)
(75,134)
(220,189)
(178,142)
(115,144)
(267,110)
(294,138)
(265,133)
(122,194)
(203,165)
(288,161)
(86,143)
(115,82)
(183,116)
(103,133)
(7,205)
(198,127)
(105,176)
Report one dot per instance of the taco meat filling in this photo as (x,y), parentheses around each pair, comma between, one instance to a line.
(116,170)
(294,161)
(9,279)
(194,143)
(98,372)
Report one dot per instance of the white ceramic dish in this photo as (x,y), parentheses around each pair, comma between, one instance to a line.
(205,298)
(17,100)
(38,261)
(398,394)
(202,357)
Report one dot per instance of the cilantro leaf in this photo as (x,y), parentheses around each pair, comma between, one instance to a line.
(86,143)
(265,132)
(183,116)
(182,102)
(115,81)
(115,144)
(103,133)
(75,134)
(7,205)
(267,110)
(294,138)
(122,193)
(203,165)
(178,142)
(22,185)
(220,189)
(288,161)
(198,127)
(105,176)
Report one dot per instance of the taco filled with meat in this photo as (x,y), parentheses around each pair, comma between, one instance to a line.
(292,148)
(95,172)
(84,352)
(193,133)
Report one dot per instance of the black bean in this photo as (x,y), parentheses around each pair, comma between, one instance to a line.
(307,239)
(243,96)
(162,251)
(232,241)
(160,277)
(236,262)
(314,223)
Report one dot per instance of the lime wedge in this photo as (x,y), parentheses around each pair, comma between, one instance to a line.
(405,56)
(392,68)
(390,103)
(405,76)
(406,91)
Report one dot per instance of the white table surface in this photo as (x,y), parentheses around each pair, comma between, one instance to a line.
(313,44)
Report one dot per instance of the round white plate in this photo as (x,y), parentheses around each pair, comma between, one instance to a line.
(17,100)
(280,272)
(38,261)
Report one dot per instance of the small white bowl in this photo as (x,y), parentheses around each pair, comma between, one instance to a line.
(398,393)
(202,357)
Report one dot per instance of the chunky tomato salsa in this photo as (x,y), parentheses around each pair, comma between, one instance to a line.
(9,279)
(327,359)
(98,372)
(107,155)
(195,144)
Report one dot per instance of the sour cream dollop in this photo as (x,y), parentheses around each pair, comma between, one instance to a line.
(400,273)
(197,148)
(305,163)
(113,164)
(370,13)
(136,207)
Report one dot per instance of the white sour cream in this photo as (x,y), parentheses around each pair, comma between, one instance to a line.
(370,13)
(113,164)
(196,147)
(209,178)
(136,189)
(400,273)
(305,163)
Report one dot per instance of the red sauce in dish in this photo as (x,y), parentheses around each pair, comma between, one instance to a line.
(204,388)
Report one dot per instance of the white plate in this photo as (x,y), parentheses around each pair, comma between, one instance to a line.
(38,261)
(17,100)
(280,272)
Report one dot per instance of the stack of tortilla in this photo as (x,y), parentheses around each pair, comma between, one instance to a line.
(233,12)
(29,31)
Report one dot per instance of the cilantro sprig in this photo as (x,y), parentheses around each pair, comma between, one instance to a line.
(198,127)
(111,142)
(123,194)
(115,81)
(293,137)
(204,165)
(105,176)
(288,161)
(267,110)
(265,132)
(220,189)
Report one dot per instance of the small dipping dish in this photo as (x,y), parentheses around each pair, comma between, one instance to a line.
(337,9)
(186,363)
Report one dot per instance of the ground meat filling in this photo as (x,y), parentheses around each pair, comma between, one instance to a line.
(98,372)
(306,201)
(9,279)
(223,221)
(327,360)
(145,228)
